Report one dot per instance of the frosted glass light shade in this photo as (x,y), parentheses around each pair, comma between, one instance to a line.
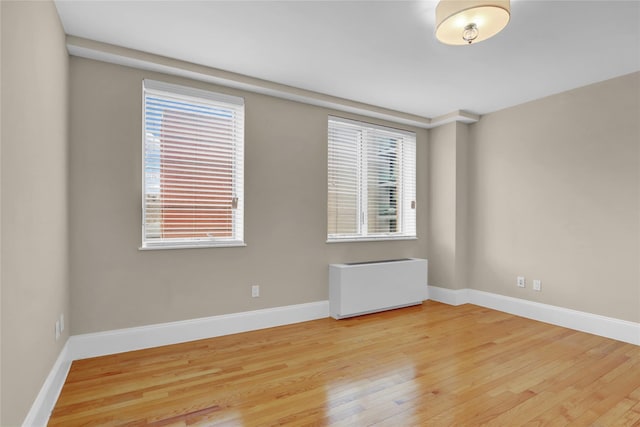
(453,17)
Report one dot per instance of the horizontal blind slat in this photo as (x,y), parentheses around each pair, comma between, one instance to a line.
(193,142)
(371,180)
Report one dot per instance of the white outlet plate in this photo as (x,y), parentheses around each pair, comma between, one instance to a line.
(57,329)
(537,285)
(521,282)
(255,291)
(61,322)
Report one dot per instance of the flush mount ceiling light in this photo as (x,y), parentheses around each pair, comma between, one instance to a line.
(460,22)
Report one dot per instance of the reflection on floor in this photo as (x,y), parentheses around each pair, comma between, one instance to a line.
(426,365)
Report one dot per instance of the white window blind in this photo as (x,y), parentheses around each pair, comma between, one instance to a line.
(193,159)
(372,182)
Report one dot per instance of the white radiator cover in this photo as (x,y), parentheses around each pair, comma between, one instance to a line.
(362,288)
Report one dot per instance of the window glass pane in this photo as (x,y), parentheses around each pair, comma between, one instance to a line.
(371,188)
(382,185)
(343,196)
(192,170)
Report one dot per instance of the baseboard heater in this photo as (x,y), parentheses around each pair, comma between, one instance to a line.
(369,287)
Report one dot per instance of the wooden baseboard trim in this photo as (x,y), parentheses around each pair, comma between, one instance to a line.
(603,326)
(117,341)
(41,409)
(121,340)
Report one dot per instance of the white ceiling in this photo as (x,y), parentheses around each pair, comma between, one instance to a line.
(382,53)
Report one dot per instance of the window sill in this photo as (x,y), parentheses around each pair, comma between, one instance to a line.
(193,246)
(371,239)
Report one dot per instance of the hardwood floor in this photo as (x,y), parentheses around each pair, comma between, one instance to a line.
(430,365)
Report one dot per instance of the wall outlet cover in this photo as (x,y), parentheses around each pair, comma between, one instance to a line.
(537,285)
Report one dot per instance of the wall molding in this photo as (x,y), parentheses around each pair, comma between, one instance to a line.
(91,49)
(448,296)
(596,324)
(41,409)
(129,339)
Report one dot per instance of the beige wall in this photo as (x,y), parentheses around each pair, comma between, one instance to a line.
(34,248)
(554,195)
(448,206)
(442,206)
(462,206)
(1,214)
(114,285)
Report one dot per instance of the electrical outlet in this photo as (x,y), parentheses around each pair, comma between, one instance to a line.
(255,291)
(57,329)
(537,285)
(521,282)
(61,322)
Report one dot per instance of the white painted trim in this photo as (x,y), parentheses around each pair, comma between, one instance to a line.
(121,340)
(91,49)
(41,409)
(603,326)
(455,116)
(448,296)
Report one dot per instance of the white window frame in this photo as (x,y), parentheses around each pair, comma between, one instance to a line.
(196,97)
(405,187)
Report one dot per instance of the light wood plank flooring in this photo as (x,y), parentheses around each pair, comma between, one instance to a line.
(430,365)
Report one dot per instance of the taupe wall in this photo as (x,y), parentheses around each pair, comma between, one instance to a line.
(1,214)
(34,248)
(554,195)
(448,205)
(442,206)
(114,285)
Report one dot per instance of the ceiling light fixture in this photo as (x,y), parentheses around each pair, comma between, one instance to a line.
(460,22)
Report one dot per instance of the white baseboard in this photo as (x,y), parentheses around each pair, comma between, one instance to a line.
(121,340)
(448,296)
(608,327)
(45,401)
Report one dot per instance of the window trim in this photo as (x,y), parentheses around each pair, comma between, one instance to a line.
(362,186)
(198,96)
(351,239)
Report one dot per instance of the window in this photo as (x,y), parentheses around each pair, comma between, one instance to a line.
(193,147)
(372,182)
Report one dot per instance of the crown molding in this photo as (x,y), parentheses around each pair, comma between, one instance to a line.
(455,116)
(104,52)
